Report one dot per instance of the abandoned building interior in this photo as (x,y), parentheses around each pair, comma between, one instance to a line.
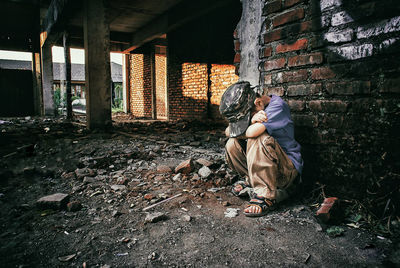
(83,186)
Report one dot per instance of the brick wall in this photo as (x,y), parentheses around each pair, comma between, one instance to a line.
(336,64)
(188,86)
(161,83)
(140,85)
(187,89)
(221,76)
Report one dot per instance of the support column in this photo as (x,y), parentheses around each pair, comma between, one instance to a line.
(47,81)
(37,84)
(97,64)
(67,57)
(153,84)
(126,83)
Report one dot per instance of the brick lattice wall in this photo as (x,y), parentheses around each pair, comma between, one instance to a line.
(336,63)
(222,76)
(140,85)
(161,72)
(188,87)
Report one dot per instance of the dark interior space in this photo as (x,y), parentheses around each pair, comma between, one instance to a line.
(16,93)
(207,39)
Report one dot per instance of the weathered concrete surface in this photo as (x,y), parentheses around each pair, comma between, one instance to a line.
(97,65)
(47,80)
(249,29)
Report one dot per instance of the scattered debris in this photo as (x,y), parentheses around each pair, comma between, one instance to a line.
(155,217)
(152,256)
(185,167)
(74,206)
(204,162)
(164,169)
(231,212)
(215,189)
(187,218)
(205,172)
(324,213)
(118,187)
(54,201)
(66,258)
(161,202)
(177,177)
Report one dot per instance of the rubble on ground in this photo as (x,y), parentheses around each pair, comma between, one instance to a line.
(140,193)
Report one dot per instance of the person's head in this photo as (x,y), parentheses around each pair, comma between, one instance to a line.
(237,105)
(260,102)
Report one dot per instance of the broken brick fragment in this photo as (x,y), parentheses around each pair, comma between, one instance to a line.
(148,197)
(54,201)
(163,169)
(185,167)
(324,213)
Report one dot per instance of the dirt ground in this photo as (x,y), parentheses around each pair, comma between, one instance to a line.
(111,176)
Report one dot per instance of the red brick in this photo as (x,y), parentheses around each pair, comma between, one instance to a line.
(324,212)
(237,58)
(305,120)
(330,106)
(267,51)
(391,86)
(333,121)
(296,105)
(185,167)
(278,91)
(272,7)
(299,44)
(268,79)
(322,73)
(235,34)
(237,45)
(293,76)
(274,64)
(314,58)
(287,17)
(273,36)
(349,88)
(304,89)
(289,3)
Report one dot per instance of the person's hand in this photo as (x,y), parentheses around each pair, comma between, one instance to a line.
(260,117)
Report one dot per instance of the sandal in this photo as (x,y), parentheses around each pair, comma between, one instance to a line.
(263,205)
(240,188)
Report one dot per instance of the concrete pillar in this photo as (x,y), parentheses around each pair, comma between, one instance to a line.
(153,84)
(126,83)
(37,84)
(67,57)
(47,81)
(97,64)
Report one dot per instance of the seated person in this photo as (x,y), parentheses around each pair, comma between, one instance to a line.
(261,146)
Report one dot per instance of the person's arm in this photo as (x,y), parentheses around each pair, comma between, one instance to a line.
(244,136)
(255,130)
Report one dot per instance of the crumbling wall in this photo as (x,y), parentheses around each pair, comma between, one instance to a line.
(140,85)
(336,64)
